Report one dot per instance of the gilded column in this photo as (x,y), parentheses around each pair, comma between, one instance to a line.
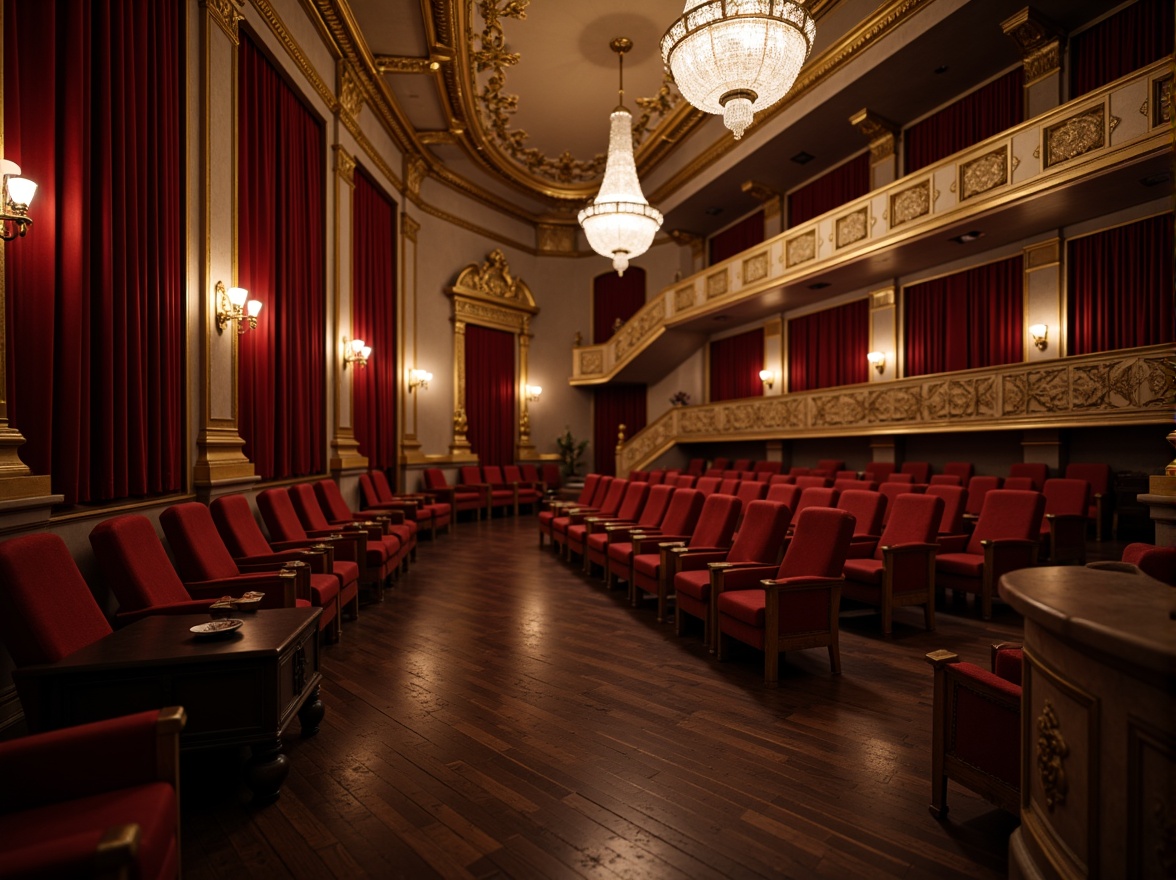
(883,137)
(410,446)
(1040,43)
(460,444)
(525,449)
(344,445)
(884,334)
(1044,300)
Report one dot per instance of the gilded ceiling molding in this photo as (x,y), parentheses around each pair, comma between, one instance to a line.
(1039,41)
(438,137)
(369,149)
(475,228)
(226,14)
(270,15)
(402,64)
(350,90)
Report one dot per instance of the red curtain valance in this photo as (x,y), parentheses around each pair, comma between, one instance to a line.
(829,348)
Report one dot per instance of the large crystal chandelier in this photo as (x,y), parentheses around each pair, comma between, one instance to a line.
(735,57)
(620,223)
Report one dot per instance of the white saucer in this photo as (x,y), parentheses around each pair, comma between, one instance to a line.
(217,627)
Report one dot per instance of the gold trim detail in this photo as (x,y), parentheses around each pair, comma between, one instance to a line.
(1113,124)
(983,173)
(350,90)
(409,227)
(755,267)
(555,238)
(1162,101)
(416,169)
(492,280)
(1037,39)
(878,130)
(910,203)
(716,284)
(800,249)
(226,14)
(386,64)
(1047,253)
(344,165)
(443,136)
(1072,137)
(683,298)
(637,329)
(591,362)
(1051,751)
(282,33)
(853,227)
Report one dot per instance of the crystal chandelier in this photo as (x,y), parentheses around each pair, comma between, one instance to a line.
(620,223)
(735,57)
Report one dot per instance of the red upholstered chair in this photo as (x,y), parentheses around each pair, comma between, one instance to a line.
(425,509)
(137,570)
(900,477)
(528,491)
(760,541)
(751,490)
(682,481)
(976,728)
(729,486)
(767,467)
(1021,484)
(656,478)
(458,498)
(878,471)
(242,535)
(797,608)
(501,486)
(1099,478)
(546,517)
(946,480)
(1005,539)
(382,524)
(741,464)
(576,536)
(654,571)
(552,479)
(961,469)
(777,479)
(830,465)
(844,484)
(99,799)
(532,476)
(384,554)
(787,494)
(607,506)
(814,496)
(680,518)
(866,508)
(496,496)
(1063,529)
(600,541)
(201,555)
(920,471)
(955,499)
(901,570)
(720,464)
(1158,562)
(708,485)
(892,490)
(1037,471)
(846,475)
(798,471)
(978,488)
(806,481)
(696,467)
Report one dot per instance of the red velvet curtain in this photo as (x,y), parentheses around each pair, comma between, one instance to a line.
(281,365)
(1132,38)
(491,407)
(1120,287)
(93,112)
(737,238)
(967,320)
(985,112)
(375,389)
(735,364)
(615,405)
(615,296)
(831,190)
(829,348)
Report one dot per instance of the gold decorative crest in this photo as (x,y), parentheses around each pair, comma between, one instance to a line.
(852,227)
(912,202)
(982,174)
(492,280)
(1051,755)
(1072,137)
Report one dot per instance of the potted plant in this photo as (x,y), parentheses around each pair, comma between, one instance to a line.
(681,398)
(570,452)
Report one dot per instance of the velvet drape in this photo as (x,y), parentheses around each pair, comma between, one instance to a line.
(491,405)
(615,296)
(375,389)
(1132,38)
(964,321)
(736,238)
(832,189)
(281,365)
(93,113)
(615,405)
(829,348)
(1120,287)
(735,364)
(980,114)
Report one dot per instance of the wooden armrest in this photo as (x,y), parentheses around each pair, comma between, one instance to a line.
(799,584)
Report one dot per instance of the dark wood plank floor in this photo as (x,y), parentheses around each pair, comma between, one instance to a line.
(499,715)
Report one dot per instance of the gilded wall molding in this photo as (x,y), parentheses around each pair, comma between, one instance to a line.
(556,239)
(483,231)
(351,91)
(640,327)
(1076,135)
(403,64)
(227,15)
(983,173)
(409,227)
(416,169)
(344,165)
(853,227)
(909,203)
(278,27)
(755,268)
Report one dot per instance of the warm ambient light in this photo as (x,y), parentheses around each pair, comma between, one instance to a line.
(234,304)
(533,392)
(419,379)
(767,377)
(877,360)
(17,194)
(1040,334)
(735,57)
(355,352)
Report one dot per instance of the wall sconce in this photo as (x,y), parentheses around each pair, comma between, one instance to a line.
(877,360)
(419,379)
(234,304)
(767,377)
(355,352)
(17,194)
(533,392)
(1040,334)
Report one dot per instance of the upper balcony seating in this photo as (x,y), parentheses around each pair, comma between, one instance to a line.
(629,509)
(1063,528)
(600,541)
(797,608)
(976,728)
(654,571)
(901,569)
(1037,471)
(1005,539)
(459,498)
(1099,478)
(759,541)
(679,519)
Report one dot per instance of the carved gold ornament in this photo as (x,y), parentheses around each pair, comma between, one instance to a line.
(852,227)
(910,203)
(1162,101)
(983,173)
(755,268)
(493,279)
(591,363)
(801,249)
(1051,755)
(716,284)
(1072,137)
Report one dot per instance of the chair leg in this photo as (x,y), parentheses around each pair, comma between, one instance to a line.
(772,637)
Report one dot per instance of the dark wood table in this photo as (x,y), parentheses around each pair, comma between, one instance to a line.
(242,688)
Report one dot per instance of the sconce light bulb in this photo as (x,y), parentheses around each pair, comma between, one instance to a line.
(1040,334)
(366,352)
(877,360)
(21,191)
(253,308)
(238,297)
(357,345)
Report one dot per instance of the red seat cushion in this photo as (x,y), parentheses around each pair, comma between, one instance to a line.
(746,606)
(323,589)
(647,564)
(864,571)
(966,564)
(695,584)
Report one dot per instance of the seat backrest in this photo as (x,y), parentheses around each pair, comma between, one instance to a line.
(1158,562)
(716,522)
(306,505)
(199,550)
(814,496)
(767,467)
(656,504)
(846,475)
(1037,471)
(914,520)
(1022,484)
(435,479)
(46,610)
(962,469)
(784,493)
(729,486)
(512,473)
(1063,497)
(612,498)
(720,464)
(798,471)
(682,512)
(602,488)
(383,487)
(237,526)
(891,491)
(806,481)
(978,487)
(1098,475)
(777,479)
(762,532)
(590,483)
(708,485)
(751,490)
(920,471)
(635,494)
(135,565)
(1008,513)
(281,519)
(844,485)
(820,543)
(946,480)
(955,499)
(551,475)
(879,470)
(367,490)
(470,473)
(866,508)
(330,501)
(656,478)
(530,473)
(696,467)
(900,477)
(741,464)
(832,465)
(492,474)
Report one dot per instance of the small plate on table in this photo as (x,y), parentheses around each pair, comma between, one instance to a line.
(248,602)
(221,627)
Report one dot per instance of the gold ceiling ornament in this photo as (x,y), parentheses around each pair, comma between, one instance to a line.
(492,279)
(405,64)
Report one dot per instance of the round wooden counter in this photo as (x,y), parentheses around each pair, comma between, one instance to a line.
(1098,724)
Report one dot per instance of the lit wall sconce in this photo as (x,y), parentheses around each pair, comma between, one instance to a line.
(877,360)
(767,377)
(533,392)
(1040,334)
(234,304)
(17,195)
(419,379)
(355,352)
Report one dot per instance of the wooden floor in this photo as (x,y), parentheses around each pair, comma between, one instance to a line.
(499,715)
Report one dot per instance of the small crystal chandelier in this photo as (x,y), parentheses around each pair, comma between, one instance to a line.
(735,57)
(620,223)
